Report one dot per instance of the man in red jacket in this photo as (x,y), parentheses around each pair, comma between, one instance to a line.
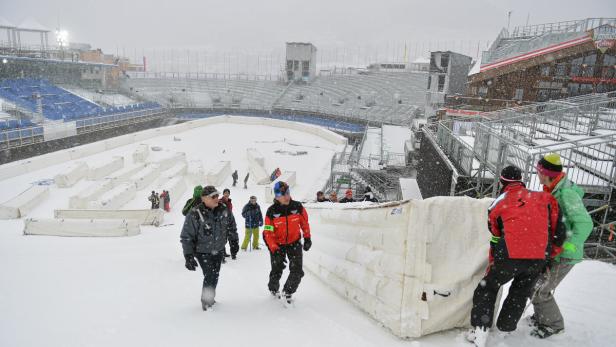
(286,221)
(526,232)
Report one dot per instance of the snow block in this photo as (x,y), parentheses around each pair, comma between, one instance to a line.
(22,204)
(81,227)
(86,150)
(105,168)
(141,153)
(146,176)
(195,172)
(143,217)
(125,174)
(170,160)
(91,193)
(411,265)
(288,176)
(71,175)
(219,173)
(177,170)
(256,167)
(115,198)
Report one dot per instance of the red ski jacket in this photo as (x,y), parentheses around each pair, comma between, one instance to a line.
(285,225)
(525,224)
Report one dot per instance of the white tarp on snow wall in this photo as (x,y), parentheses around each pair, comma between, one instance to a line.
(115,198)
(105,168)
(413,265)
(217,175)
(71,175)
(22,204)
(256,166)
(141,153)
(81,227)
(143,217)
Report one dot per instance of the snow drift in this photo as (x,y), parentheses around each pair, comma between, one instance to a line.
(143,216)
(81,227)
(413,265)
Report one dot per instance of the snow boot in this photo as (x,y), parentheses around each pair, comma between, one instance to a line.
(287,300)
(207,298)
(478,336)
(532,321)
(275,294)
(543,331)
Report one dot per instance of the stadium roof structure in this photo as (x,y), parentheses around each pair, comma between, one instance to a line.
(30,24)
(5,24)
(536,41)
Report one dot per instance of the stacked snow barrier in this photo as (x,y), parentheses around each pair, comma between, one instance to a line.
(176,187)
(256,166)
(195,172)
(145,177)
(143,217)
(288,177)
(22,204)
(71,175)
(141,153)
(91,193)
(99,171)
(170,160)
(81,227)
(412,265)
(125,174)
(217,175)
(115,198)
(177,170)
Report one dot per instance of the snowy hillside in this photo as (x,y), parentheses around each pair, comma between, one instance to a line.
(135,291)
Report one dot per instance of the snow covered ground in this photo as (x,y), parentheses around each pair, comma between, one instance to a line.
(135,291)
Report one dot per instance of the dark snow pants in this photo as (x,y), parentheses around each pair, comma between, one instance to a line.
(210,265)
(524,273)
(294,253)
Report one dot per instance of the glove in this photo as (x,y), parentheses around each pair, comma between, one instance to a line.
(569,247)
(307,244)
(234,246)
(191,263)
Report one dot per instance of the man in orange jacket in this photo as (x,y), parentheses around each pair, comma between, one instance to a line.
(286,222)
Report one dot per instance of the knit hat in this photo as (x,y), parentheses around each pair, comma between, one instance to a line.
(510,174)
(281,188)
(197,192)
(550,165)
(210,191)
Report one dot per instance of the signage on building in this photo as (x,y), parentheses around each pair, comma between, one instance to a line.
(604,37)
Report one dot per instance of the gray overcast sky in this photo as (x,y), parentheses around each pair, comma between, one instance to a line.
(233,24)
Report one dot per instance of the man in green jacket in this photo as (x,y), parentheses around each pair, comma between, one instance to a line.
(547,319)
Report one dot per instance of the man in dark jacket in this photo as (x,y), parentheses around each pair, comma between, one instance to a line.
(526,233)
(152,200)
(253,219)
(286,222)
(235,176)
(321,197)
(204,234)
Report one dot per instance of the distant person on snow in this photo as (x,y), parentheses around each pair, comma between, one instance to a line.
(246,180)
(206,229)
(348,196)
(526,232)
(333,196)
(235,176)
(157,199)
(369,196)
(162,198)
(286,222)
(321,197)
(167,201)
(253,220)
(578,224)
(192,202)
(152,200)
(227,201)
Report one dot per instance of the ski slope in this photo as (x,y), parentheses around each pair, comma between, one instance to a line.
(135,291)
